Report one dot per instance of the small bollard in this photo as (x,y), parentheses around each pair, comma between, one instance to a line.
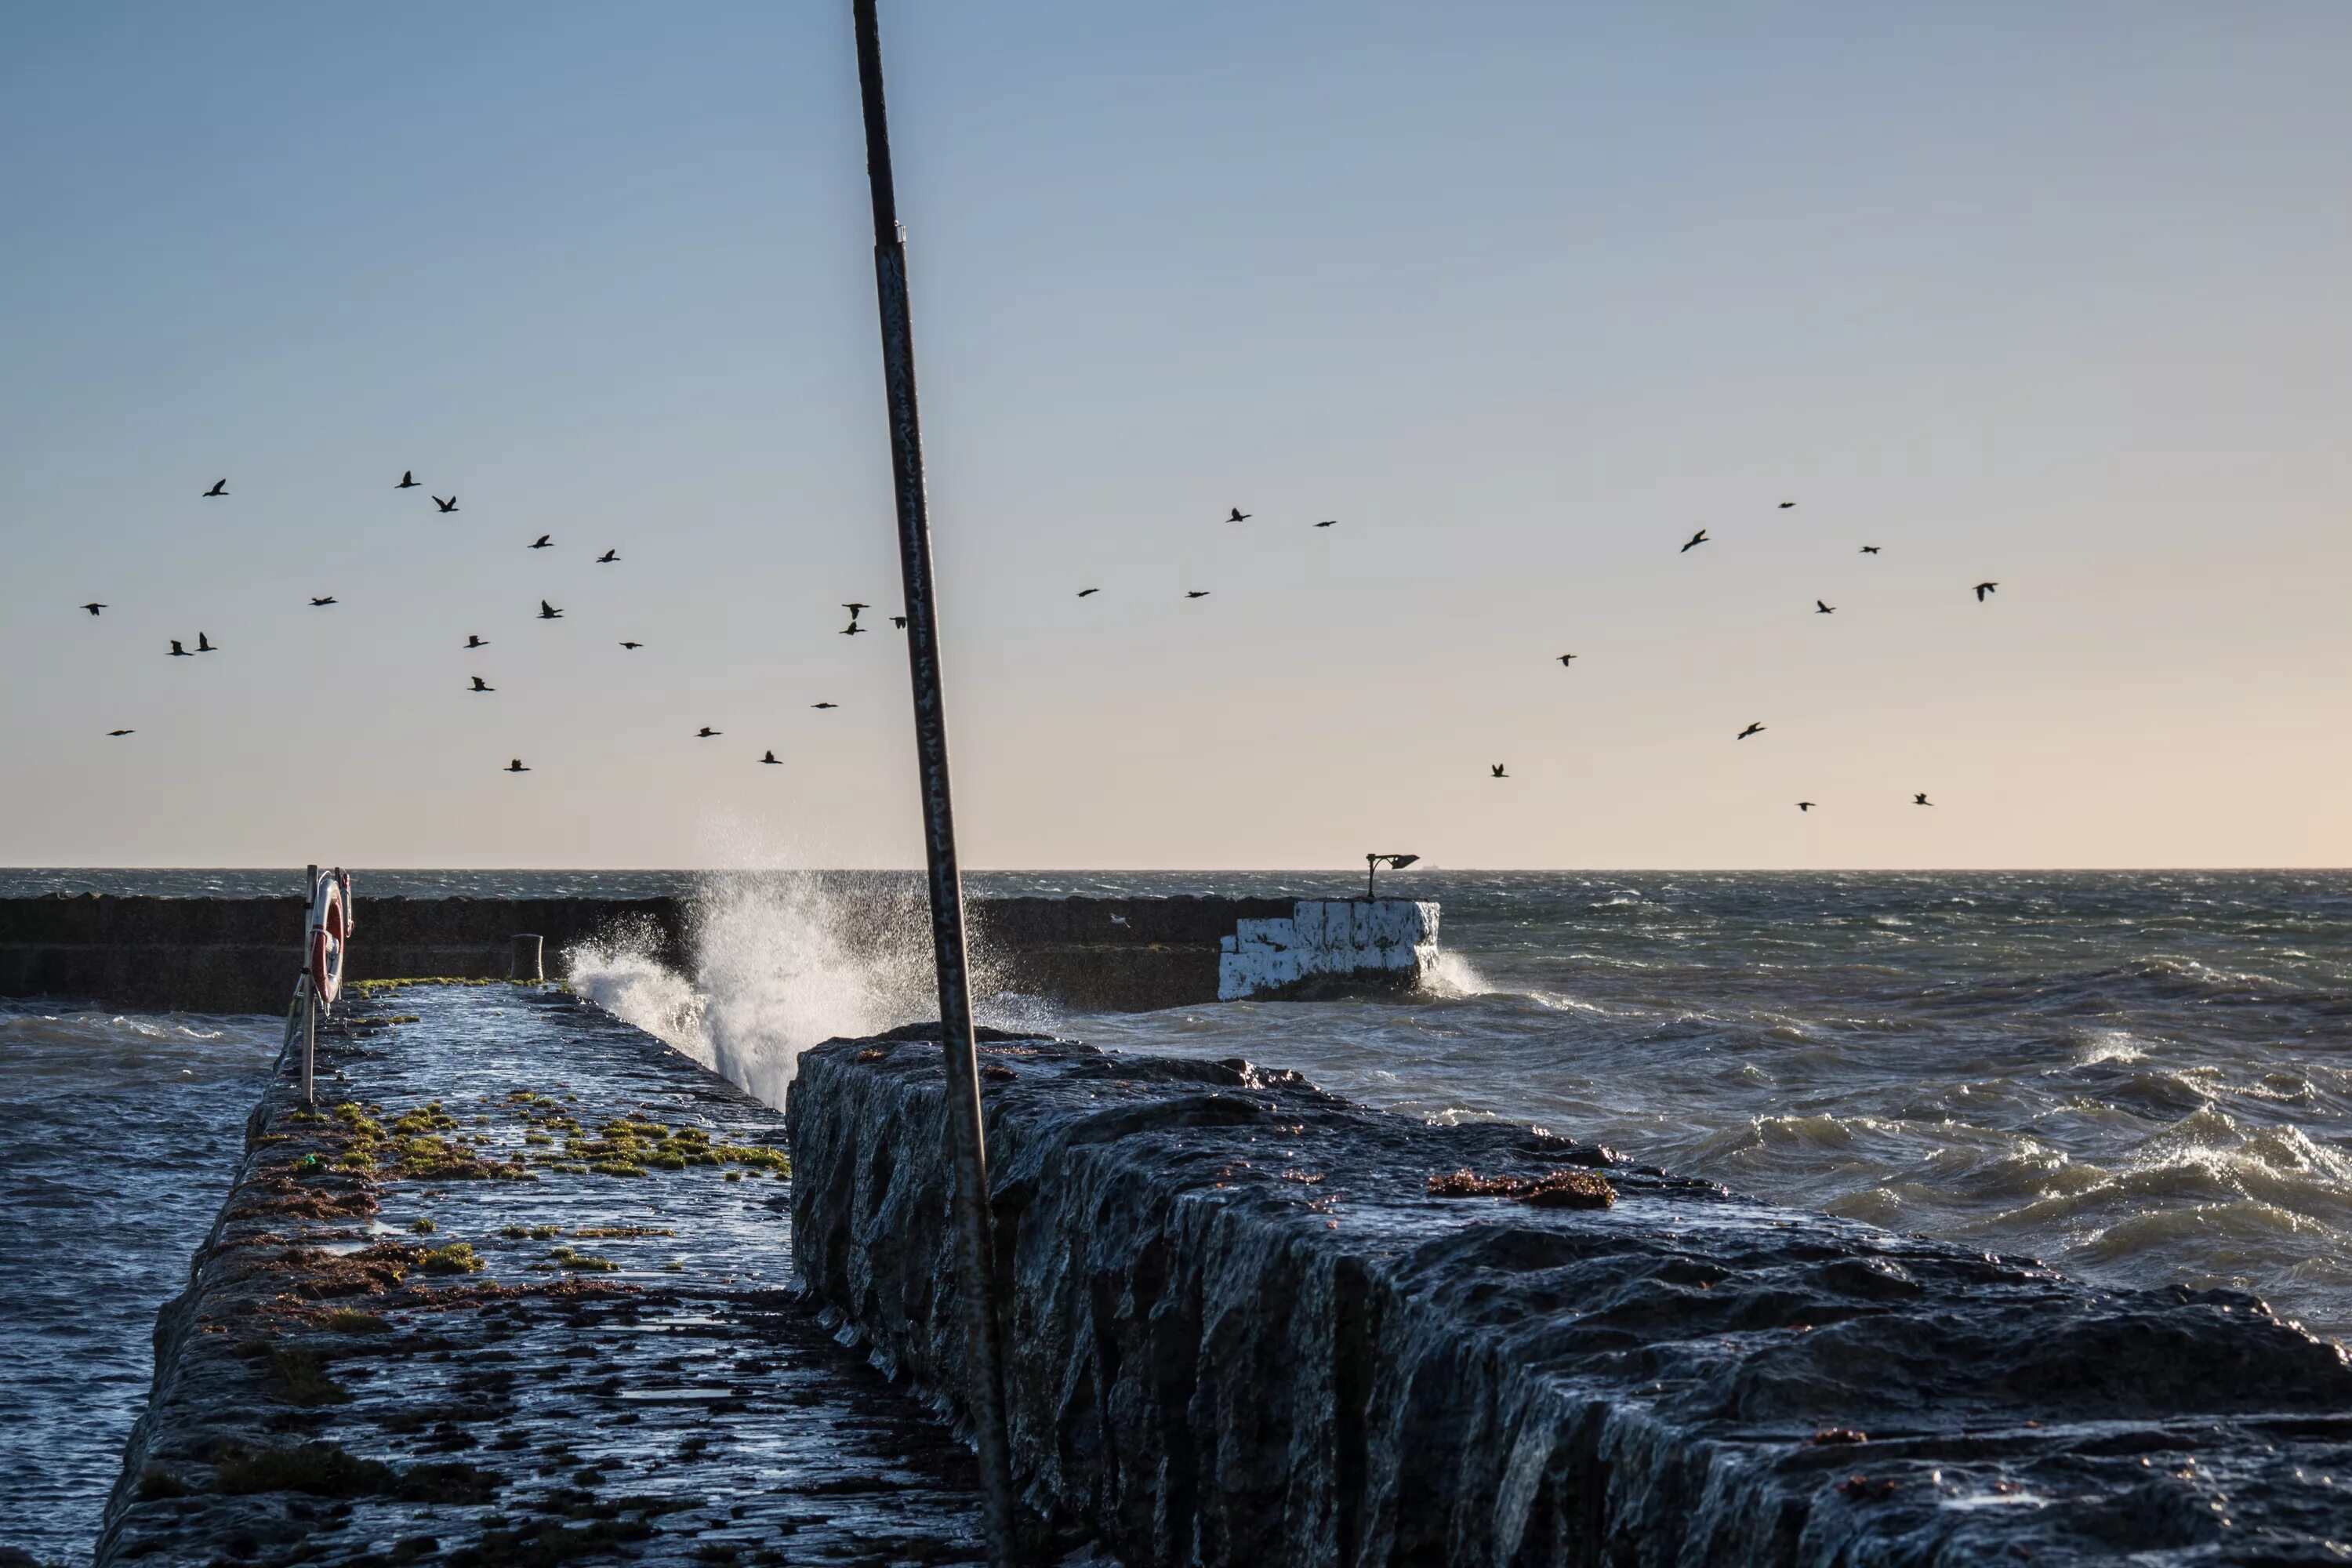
(528,947)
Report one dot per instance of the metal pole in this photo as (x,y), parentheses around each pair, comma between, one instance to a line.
(309,986)
(968,1155)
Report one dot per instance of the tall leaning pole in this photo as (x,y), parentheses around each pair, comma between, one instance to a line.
(967,1149)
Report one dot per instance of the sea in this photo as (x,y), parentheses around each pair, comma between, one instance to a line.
(2144,1078)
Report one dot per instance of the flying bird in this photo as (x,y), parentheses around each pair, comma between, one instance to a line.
(548,612)
(1787,504)
(706,732)
(322,603)
(93,607)
(515,767)
(1753,729)
(1804,805)
(541,542)
(771,757)
(122,732)
(177,651)
(856,610)
(1870,550)
(1495,770)
(1240,516)
(1565,659)
(407,479)
(220,488)
(1984,588)
(204,644)
(852,629)
(633,646)
(1084,591)
(1823,609)
(825,704)
(1196,593)
(479,685)
(474,640)
(899,622)
(1921,799)
(451,505)
(609,557)
(1327,522)
(1697,539)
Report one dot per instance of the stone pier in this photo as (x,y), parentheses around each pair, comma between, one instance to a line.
(1250,1322)
(517,1294)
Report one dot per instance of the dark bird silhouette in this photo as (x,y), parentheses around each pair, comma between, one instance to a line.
(322,603)
(407,479)
(450,505)
(1753,729)
(857,610)
(541,542)
(633,646)
(1495,770)
(1327,522)
(1565,659)
(473,641)
(204,644)
(1870,550)
(1821,609)
(1697,539)
(1787,504)
(1921,799)
(899,622)
(548,612)
(93,607)
(1196,593)
(1804,805)
(706,732)
(480,685)
(177,651)
(122,732)
(771,757)
(220,488)
(515,767)
(853,629)
(1240,516)
(825,704)
(1984,588)
(609,557)
(1084,591)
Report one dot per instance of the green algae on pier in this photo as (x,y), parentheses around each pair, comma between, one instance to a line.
(563,1363)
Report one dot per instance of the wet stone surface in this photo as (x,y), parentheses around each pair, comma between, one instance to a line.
(1251,1322)
(590,1355)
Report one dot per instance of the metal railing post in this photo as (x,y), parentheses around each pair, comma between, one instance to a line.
(967,1150)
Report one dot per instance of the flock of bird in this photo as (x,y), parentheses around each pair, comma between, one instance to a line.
(1821,608)
(479,687)
(550,612)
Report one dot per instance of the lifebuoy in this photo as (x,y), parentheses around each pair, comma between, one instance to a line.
(329,928)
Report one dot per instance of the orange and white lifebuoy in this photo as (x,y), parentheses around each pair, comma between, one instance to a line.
(330,931)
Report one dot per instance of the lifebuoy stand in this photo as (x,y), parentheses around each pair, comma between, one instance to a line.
(326,934)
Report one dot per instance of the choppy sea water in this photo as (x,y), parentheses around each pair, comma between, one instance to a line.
(117,1138)
(2142,1077)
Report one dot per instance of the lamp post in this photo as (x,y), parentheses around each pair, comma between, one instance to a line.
(1372,864)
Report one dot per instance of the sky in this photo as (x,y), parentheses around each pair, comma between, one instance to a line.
(1521,294)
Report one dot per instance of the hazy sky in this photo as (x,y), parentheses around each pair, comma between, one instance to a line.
(1521,293)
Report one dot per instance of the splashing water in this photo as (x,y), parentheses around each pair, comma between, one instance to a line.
(780,960)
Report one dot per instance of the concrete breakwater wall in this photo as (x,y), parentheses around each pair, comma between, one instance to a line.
(1245,1327)
(238,955)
